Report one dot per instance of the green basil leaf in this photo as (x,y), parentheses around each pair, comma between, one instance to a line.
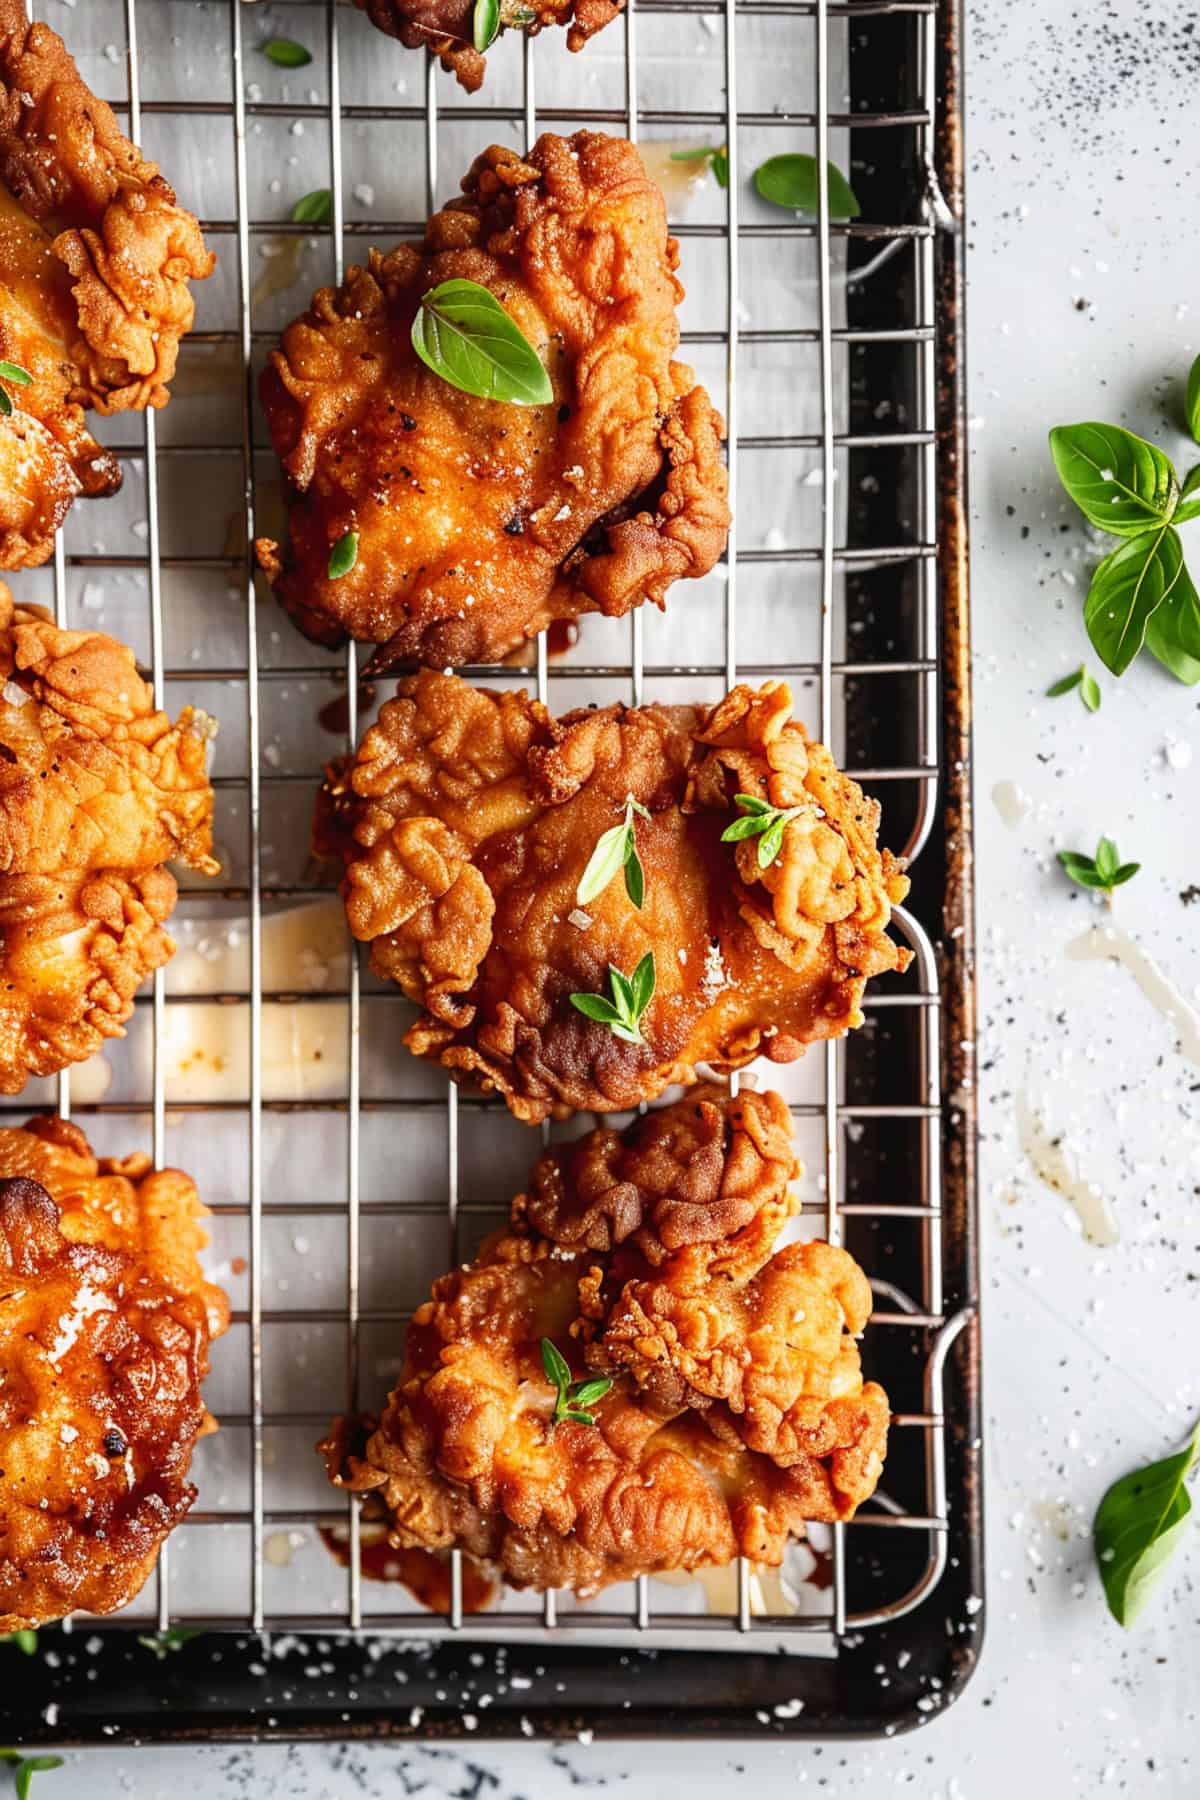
(1127,588)
(1125,873)
(286,53)
(1138,1525)
(343,556)
(1118,481)
(25,1641)
(700,155)
(1065,685)
(631,1034)
(622,989)
(11,1756)
(1107,859)
(635,875)
(720,167)
(558,1369)
(753,825)
(38,1763)
(6,404)
(643,984)
(1184,603)
(485,23)
(586,1393)
(463,334)
(752,804)
(643,812)
(771,842)
(1089,692)
(1080,868)
(1192,403)
(314,209)
(594,1006)
(579,1418)
(15,373)
(606,860)
(791,181)
(1163,639)
(1189,497)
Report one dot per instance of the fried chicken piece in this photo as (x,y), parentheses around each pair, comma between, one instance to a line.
(95,258)
(97,792)
(737,1412)
(445,27)
(478,522)
(468,819)
(104,1334)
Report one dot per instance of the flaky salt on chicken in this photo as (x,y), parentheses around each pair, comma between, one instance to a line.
(445,28)
(95,260)
(737,1410)
(105,1325)
(98,791)
(477,522)
(468,819)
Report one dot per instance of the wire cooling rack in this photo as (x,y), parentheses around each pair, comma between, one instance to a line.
(338,1194)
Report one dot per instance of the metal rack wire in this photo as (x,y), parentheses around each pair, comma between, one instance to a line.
(916,1320)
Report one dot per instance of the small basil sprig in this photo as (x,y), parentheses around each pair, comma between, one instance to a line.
(286,53)
(27,1768)
(463,334)
(574,1397)
(1138,1526)
(715,155)
(25,1641)
(1141,593)
(1105,870)
(631,995)
(343,556)
(314,209)
(1085,681)
(792,181)
(19,377)
(616,849)
(763,821)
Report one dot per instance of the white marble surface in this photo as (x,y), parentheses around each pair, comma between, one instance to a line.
(1081,145)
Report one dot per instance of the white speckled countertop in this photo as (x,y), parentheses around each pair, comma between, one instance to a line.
(1082,302)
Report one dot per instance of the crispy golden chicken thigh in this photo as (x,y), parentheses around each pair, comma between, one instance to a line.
(478,522)
(469,817)
(104,1333)
(95,259)
(98,791)
(445,27)
(737,1410)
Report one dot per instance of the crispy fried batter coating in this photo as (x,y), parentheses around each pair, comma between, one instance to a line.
(738,1410)
(104,1334)
(445,27)
(479,522)
(466,824)
(97,792)
(95,259)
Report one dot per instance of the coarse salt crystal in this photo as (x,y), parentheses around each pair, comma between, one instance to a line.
(580,919)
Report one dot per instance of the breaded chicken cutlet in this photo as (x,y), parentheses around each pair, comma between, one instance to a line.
(477,523)
(445,28)
(466,824)
(105,1325)
(95,260)
(98,791)
(734,1409)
